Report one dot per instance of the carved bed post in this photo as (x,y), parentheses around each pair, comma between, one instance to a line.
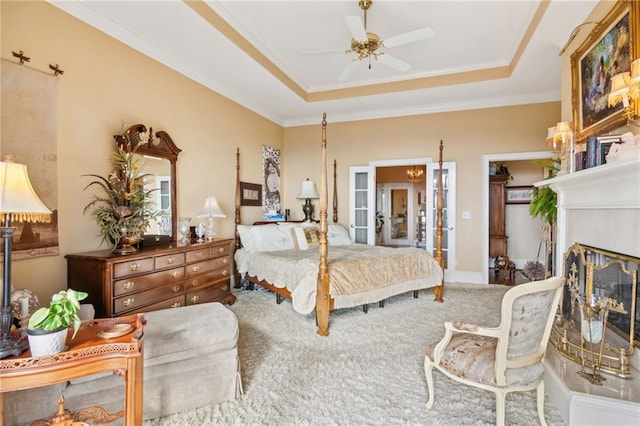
(335,193)
(323,301)
(237,216)
(438,291)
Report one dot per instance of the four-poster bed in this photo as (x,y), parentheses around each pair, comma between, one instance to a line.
(347,275)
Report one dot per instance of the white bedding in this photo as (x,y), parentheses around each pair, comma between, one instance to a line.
(358,273)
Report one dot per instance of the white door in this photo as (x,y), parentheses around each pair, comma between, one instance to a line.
(399,214)
(448,214)
(362,204)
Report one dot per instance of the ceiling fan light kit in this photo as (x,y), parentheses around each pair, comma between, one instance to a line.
(366,44)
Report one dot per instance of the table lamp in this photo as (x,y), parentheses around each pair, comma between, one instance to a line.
(307,193)
(18,201)
(210,210)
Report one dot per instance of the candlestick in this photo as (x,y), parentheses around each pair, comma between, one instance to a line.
(25,307)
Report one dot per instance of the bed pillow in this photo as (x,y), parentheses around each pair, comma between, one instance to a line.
(266,238)
(337,235)
(299,239)
(311,235)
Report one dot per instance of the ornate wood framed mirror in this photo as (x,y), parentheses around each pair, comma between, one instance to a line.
(160,157)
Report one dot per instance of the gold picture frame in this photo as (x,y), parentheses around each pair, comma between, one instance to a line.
(608,50)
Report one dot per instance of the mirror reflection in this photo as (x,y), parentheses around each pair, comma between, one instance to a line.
(160,155)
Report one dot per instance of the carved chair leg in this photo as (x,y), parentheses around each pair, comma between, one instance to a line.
(428,371)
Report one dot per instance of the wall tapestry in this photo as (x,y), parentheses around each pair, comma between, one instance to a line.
(270,179)
(29,132)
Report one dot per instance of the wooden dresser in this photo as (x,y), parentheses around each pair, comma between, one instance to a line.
(154,278)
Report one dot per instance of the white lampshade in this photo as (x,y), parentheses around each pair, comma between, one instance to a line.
(18,200)
(308,190)
(619,89)
(211,208)
(551,131)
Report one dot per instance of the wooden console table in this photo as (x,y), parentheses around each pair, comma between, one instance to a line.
(87,354)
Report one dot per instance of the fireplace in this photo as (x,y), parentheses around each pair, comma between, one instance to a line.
(594,274)
(598,208)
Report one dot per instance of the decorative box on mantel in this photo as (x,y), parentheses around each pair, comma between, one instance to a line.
(154,278)
(598,207)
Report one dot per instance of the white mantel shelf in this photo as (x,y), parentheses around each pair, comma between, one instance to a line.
(614,185)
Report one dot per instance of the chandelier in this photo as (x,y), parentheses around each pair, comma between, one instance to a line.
(414,174)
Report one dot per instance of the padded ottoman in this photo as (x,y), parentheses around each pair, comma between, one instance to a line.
(190,360)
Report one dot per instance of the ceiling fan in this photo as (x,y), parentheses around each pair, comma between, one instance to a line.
(367,45)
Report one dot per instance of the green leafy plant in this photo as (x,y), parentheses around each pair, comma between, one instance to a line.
(61,313)
(544,203)
(124,208)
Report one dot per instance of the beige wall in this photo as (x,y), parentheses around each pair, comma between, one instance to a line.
(467,136)
(105,83)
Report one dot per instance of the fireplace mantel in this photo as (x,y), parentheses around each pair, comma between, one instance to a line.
(599,207)
(610,186)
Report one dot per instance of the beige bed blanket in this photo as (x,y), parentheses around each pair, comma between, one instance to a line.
(358,273)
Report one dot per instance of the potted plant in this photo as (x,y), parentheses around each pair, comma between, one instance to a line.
(124,208)
(544,204)
(47,326)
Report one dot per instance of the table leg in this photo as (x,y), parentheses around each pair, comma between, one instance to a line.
(133,384)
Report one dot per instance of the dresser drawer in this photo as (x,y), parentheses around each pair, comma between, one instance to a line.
(219,251)
(174,302)
(136,300)
(213,293)
(169,260)
(205,279)
(142,282)
(199,254)
(139,266)
(206,266)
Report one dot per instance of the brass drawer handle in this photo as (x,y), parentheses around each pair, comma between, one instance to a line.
(225,260)
(176,305)
(225,288)
(199,255)
(195,269)
(129,302)
(175,288)
(221,250)
(129,285)
(171,260)
(175,274)
(194,299)
(194,283)
(134,267)
(225,272)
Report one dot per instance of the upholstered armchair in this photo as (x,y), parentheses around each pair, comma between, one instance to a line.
(502,359)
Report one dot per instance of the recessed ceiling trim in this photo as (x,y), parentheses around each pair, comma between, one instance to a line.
(209,15)
(473,76)
(414,84)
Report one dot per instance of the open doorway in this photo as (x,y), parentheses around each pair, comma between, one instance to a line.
(522,231)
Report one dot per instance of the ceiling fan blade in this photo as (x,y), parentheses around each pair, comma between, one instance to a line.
(356,28)
(348,71)
(322,52)
(393,62)
(410,37)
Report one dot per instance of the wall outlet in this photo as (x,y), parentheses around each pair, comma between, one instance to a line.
(466,215)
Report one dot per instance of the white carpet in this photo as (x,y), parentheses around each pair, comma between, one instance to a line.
(369,371)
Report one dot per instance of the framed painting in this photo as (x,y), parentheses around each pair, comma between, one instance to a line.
(250,194)
(604,145)
(518,194)
(607,51)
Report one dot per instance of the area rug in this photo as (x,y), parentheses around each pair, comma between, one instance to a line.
(368,371)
